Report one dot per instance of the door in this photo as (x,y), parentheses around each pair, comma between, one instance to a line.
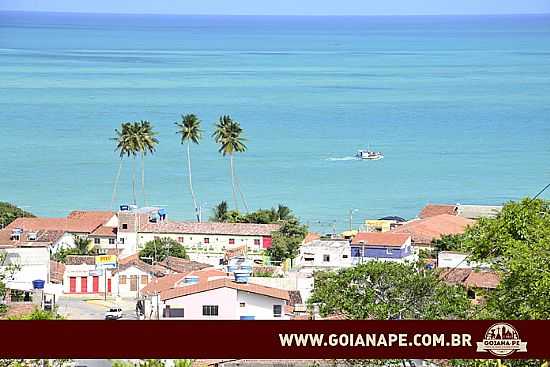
(72,284)
(95,284)
(266,241)
(109,285)
(133,283)
(84,285)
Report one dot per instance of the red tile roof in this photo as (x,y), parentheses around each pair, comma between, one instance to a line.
(43,237)
(182,265)
(381,239)
(238,229)
(311,236)
(423,231)
(224,283)
(104,231)
(76,221)
(482,279)
(431,210)
(171,281)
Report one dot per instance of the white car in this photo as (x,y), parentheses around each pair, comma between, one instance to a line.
(113,313)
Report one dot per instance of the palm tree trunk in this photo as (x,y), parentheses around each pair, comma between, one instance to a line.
(116,184)
(143,179)
(191,181)
(134,180)
(233,182)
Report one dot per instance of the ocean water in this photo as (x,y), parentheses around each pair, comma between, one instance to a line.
(459,106)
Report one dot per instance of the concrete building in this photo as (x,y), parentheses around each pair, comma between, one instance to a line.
(81,276)
(458,260)
(386,246)
(324,255)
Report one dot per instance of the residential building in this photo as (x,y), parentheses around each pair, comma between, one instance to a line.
(465,211)
(324,255)
(211,294)
(205,242)
(132,275)
(457,260)
(33,264)
(383,246)
(424,231)
(476,282)
(383,224)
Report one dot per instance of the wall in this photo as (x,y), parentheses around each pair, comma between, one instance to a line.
(217,242)
(80,271)
(225,298)
(339,256)
(34,264)
(123,290)
(259,306)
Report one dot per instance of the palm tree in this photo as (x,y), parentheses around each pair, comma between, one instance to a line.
(83,245)
(228,136)
(126,146)
(220,212)
(189,129)
(145,142)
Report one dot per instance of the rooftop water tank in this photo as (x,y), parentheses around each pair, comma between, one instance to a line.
(241,276)
(38,284)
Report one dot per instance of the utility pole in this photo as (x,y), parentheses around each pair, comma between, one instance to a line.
(351,211)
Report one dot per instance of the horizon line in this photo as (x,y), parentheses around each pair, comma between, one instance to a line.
(277,15)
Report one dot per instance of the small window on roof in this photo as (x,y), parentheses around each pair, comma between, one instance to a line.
(124,225)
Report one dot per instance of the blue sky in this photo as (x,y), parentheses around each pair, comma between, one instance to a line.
(284,7)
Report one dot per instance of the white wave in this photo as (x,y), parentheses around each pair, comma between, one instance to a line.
(342,159)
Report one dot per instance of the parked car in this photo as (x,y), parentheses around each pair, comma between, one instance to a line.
(113,313)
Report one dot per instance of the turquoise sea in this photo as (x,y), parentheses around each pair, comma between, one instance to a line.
(460,106)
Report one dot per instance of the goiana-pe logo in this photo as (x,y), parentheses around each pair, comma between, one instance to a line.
(501,340)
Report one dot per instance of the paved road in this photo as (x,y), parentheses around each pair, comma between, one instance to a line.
(80,309)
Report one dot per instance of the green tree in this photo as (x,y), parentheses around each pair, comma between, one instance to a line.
(39,314)
(287,240)
(146,144)
(387,290)
(7,270)
(517,243)
(219,213)
(9,213)
(449,242)
(126,146)
(190,131)
(159,249)
(228,135)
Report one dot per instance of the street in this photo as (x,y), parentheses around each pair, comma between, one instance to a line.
(93,309)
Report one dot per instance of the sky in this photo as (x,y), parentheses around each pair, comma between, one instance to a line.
(284,7)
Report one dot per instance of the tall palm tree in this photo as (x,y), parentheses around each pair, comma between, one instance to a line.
(83,246)
(145,142)
(126,146)
(190,131)
(228,135)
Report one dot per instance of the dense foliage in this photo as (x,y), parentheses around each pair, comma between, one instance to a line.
(387,290)
(449,242)
(159,249)
(9,213)
(517,243)
(39,314)
(260,216)
(82,246)
(286,241)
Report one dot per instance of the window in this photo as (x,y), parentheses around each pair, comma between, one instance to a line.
(121,241)
(206,240)
(124,225)
(31,236)
(209,310)
(180,239)
(471,294)
(144,279)
(122,279)
(257,242)
(326,258)
(277,310)
(355,252)
(174,312)
(112,241)
(389,251)
(242,304)
(231,241)
(97,241)
(345,256)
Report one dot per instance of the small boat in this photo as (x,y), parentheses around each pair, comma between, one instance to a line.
(370,155)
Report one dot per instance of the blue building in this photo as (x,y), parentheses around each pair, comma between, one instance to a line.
(386,246)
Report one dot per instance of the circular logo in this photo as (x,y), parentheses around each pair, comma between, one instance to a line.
(502,339)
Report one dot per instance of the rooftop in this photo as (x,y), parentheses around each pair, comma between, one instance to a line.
(479,211)
(427,229)
(41,237)
(381,239)
(76,221)
(431,210)
(487,279)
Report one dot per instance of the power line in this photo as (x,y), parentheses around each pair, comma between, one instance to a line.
(541,191)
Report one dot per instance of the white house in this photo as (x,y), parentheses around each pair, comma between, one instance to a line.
(324,255)
(82,277)
(33,264)
(458,260)
(132,275)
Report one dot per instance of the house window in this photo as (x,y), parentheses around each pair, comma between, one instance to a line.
(345,256)
(175,312)
(112,241)
(210,310)
(389,251)
(277,310)
(471,294)
(256,242)
(121,241)
(31,236)
(326,258)
(231,241)
(242,304)
(355,252)
(124,225)
(206,240)
(180,239)
(122,279)
(144,279)
(97,241)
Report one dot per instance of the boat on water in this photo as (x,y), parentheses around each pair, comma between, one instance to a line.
(369,155)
